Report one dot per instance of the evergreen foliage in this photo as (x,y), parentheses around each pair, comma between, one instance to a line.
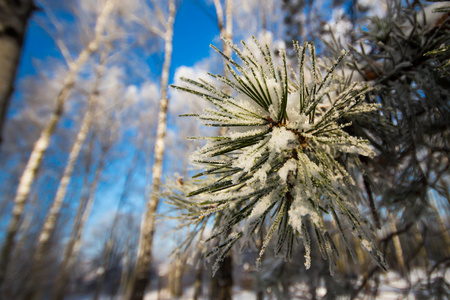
(405,61)
(282,161)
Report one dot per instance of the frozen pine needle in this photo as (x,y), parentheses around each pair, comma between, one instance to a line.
(280,154)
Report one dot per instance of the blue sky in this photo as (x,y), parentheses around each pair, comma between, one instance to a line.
(194,31)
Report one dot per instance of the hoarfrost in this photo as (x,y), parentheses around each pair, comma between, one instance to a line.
(261,174)
(246,133)
(308,257)
(274,89)
(248,103)
(248,157)
(366,244)
(293,107)
(290,166)
(361,150)
(281,139)
(260,207)
(301,207)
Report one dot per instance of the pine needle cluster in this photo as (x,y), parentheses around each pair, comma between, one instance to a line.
(280,163)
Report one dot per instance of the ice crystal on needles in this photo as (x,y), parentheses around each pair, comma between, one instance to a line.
(279,160)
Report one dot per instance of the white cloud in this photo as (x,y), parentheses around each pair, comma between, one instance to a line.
(148,92)
(182,102)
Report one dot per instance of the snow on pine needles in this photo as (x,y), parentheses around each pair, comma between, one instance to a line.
(279,165)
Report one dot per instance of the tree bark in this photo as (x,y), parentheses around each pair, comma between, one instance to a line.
(225,25)
(397,246)
(176,275)
(52,216)
(141,277)
(222,282)
(198,285)
(14,18)
(42,144)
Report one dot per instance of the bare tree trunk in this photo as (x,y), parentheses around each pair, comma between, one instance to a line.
(14,17)
(362,261)
(52,216)
(176,273)
(198,285)
(222,282)
(141,277)
(225,25)
(73,247)
(229,23)
(264,21)
(397,246)
(42,144)
(423,250)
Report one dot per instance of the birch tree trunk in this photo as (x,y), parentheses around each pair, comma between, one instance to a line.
(264,21)
(14,17)
(52,216)
(225,24)
(141,277)
(222,282)
(73,247)
(42,144)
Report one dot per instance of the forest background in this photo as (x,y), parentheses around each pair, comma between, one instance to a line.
(85,110)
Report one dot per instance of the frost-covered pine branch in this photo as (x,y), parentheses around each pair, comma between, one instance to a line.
(280,162)
(404,56)
(444,48)
(175,197)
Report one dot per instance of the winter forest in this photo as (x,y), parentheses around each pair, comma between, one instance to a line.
(224,149)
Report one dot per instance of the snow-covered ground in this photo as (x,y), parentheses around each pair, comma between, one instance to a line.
(392,287)
(238,294)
